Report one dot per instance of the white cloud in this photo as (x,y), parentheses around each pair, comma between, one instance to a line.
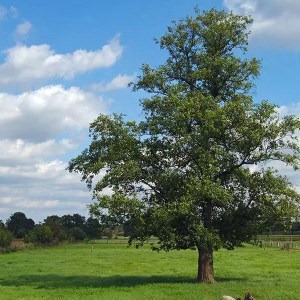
(119,82)
(26,65)
(283,169)
(3,12)
(41,190)
(19,152)
(37,130)
(291,109)
(45,113)
(23,29)
(41,128)
(50,171)
(276,22)
(8,12)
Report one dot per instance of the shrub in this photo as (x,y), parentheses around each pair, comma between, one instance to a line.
(5,237)
(40,234)
(77,234)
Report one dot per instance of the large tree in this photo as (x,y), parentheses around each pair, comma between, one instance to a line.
(19,224)
(195,172)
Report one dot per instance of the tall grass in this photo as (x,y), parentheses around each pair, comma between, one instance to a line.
(107,271)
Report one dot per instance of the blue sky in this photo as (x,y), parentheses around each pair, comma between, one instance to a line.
(64,62)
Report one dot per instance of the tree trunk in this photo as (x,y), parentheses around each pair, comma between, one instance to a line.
(205,266)
(205,251)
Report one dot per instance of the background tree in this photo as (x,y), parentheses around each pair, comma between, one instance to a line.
(71,221)
(41,234)
(55,224)
(93,228)
(78,221)
(67,221)
(295,229)
(190,173)
(5,237)
(53,219)
(19,224)
(77,234)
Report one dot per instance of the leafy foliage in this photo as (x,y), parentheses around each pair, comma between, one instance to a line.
(195,171)
(5,237)
(77,234)
(40,234)
(19,224)
(59,231)
(93,228)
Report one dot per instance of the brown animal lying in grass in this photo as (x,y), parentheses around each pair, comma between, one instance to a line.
(248,296)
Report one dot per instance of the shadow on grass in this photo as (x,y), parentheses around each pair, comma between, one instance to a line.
(59,281)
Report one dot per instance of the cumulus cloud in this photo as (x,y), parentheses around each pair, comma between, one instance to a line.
(276,22)
(119,82)
(41,190)
(23,29)
(19,152)
(283,169)
(39,130)
(30,64)
(291,109)
(45,113)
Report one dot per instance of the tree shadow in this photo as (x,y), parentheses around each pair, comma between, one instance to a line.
(55,281)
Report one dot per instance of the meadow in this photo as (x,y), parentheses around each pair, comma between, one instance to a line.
(114,271)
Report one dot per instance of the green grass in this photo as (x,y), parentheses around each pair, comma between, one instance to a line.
(117,272)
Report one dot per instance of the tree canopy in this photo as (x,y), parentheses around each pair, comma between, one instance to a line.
(195,172)
(19,225)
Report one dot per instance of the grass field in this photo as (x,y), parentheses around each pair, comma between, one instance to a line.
(108,271)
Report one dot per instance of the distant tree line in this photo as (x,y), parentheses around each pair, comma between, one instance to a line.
(294,228)
(54,229)
(73,228)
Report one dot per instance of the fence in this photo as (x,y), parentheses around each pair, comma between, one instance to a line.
(119,240)
(275,241)
(279,241)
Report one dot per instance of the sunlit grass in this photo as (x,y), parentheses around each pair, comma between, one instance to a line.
(103,271)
